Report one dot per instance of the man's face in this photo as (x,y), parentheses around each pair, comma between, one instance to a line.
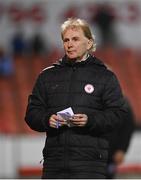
(75,43)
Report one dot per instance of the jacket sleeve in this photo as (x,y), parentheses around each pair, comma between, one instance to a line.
(113,108)
(36,113)
(125,131)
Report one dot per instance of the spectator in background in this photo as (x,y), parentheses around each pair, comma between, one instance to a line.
(77,148)
(6,64)
(104,19)
(18,44)
(119,142)
(37,45)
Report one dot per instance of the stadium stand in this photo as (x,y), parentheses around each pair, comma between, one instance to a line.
(14,92)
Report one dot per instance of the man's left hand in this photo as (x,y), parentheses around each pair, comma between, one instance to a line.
(79,119)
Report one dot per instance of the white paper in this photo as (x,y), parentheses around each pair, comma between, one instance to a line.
(66,114)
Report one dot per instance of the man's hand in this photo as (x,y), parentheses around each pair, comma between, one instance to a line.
(119,157)
(79,119)
(56,122)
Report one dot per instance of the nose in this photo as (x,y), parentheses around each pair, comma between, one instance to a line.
(70,44)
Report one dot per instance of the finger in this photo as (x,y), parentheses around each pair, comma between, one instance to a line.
(79,120)
(53,125)
(80,124)
(79,116)
(52,122)
(57,124)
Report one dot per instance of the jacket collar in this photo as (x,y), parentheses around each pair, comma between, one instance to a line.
(90,60)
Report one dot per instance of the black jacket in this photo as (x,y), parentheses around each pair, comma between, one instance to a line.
(79,150)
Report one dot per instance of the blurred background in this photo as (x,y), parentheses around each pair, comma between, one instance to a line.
(30,41)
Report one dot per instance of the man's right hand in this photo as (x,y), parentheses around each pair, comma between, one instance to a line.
(56,122)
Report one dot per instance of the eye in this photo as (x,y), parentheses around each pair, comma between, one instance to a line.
(65,40)
(76,38)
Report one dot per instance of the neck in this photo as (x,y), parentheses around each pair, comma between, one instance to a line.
(85,56)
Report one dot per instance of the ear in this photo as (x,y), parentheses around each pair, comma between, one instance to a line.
(89,44)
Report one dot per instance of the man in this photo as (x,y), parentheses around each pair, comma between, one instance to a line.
(81,82)
(120,141)
(104,19)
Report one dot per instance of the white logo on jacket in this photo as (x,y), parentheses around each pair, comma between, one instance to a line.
(89,88)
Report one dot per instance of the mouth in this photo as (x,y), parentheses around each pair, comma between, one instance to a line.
(71,52)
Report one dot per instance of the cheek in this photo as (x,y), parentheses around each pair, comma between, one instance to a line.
(83,47)
(65,47)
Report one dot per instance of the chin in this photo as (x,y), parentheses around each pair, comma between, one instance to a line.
(72,57)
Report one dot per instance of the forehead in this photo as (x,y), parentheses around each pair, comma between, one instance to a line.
(73,31)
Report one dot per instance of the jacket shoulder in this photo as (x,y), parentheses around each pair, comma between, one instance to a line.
(106,70)
(47,68)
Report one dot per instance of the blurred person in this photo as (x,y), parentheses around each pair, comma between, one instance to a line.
(77,147)
(18,44)
(105,22)
(6,64)
(120,141)
(37,45)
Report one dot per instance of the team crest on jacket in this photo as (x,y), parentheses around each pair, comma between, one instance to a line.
(89,88)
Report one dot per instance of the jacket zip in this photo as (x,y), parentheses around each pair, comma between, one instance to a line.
(66,157)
